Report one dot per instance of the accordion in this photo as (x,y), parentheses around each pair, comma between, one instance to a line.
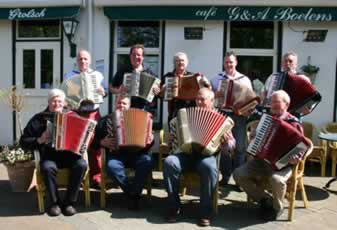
(199,130)
(303,95)
(140,85)
(71,132)
(275,141)
(237,97)
(82,87)
(184,88)
(132,128)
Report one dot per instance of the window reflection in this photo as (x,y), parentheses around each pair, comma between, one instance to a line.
(28,68)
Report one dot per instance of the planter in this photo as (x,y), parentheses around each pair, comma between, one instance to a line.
(20,175)
(311,76)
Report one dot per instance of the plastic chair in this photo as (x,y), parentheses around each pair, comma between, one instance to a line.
(106,181)
(62,181)
(319,152)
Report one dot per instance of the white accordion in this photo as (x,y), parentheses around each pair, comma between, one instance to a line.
(82,87)
(141,85)
(198,130)
(187,87)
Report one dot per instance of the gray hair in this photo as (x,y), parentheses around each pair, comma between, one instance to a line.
(180,54)
(56,92)
(283,94)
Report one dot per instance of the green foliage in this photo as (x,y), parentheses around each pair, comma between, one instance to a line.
(10,154)
(310,69)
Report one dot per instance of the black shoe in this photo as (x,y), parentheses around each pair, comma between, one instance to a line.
(223,182)
(237,188)
(54,210)
(204,222)
(69,210)
(172,215)
(95,185)
(133,203)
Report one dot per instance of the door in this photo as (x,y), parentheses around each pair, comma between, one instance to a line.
(37,71)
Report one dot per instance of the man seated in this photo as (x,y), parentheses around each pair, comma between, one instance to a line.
(248,175)
(206,166)
(117,160)
(36,136)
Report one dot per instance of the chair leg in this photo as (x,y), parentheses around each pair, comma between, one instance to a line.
(102,195)
(304,194)
(215,199)
(292,195)
(333,162)
(323,167)
(40,200)
(86,188)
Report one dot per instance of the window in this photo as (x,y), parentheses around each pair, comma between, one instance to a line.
(148,33)
(44,29)
(255,45)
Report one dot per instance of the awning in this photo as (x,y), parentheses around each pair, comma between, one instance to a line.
(39,13)
(227,13)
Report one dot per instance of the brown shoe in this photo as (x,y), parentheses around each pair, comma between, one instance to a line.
(69,210)
(204,222)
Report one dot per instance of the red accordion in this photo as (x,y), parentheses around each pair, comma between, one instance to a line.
(303,95)
(275,141)
(237,97)
(72,132)
(133,129)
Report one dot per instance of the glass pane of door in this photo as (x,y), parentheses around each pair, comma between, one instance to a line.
(47,68)
(28,60)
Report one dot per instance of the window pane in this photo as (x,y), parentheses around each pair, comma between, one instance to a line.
(29,68)
(255,66)
(39,29)
(141,32)
(46,69)
(254,35)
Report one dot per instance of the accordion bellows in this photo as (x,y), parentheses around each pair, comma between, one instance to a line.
(275,141)
(200,130)
(237,97)
(133,128)
(72,132)
(187,87)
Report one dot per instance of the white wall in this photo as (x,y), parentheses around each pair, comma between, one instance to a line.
(6,121)
(324,55)
(204,55)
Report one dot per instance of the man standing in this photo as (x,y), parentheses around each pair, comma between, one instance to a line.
(136,56)
(227,164)
(83,62)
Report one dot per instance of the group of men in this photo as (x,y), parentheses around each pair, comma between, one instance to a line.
(36,136)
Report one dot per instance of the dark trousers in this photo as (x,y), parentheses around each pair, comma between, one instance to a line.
(49,168)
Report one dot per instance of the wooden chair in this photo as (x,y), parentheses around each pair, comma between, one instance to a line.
(163,149)
(295,183)
(331,127)
(189,179)
(106,181)
(62,181)
(319,152)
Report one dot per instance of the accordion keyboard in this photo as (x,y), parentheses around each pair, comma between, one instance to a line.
(261,130)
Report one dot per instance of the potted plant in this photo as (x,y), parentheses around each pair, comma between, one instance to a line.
(20,166)
(18,162)
(310,70)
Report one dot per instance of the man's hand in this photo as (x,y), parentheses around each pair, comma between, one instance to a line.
(45,138)
(156,89)
(109,143)
(293,159)
(100,90)
(118,90)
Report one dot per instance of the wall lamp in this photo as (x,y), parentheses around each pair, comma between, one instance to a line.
(69,28)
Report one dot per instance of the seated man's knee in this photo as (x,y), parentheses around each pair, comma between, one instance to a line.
(48,166)
(82,164)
